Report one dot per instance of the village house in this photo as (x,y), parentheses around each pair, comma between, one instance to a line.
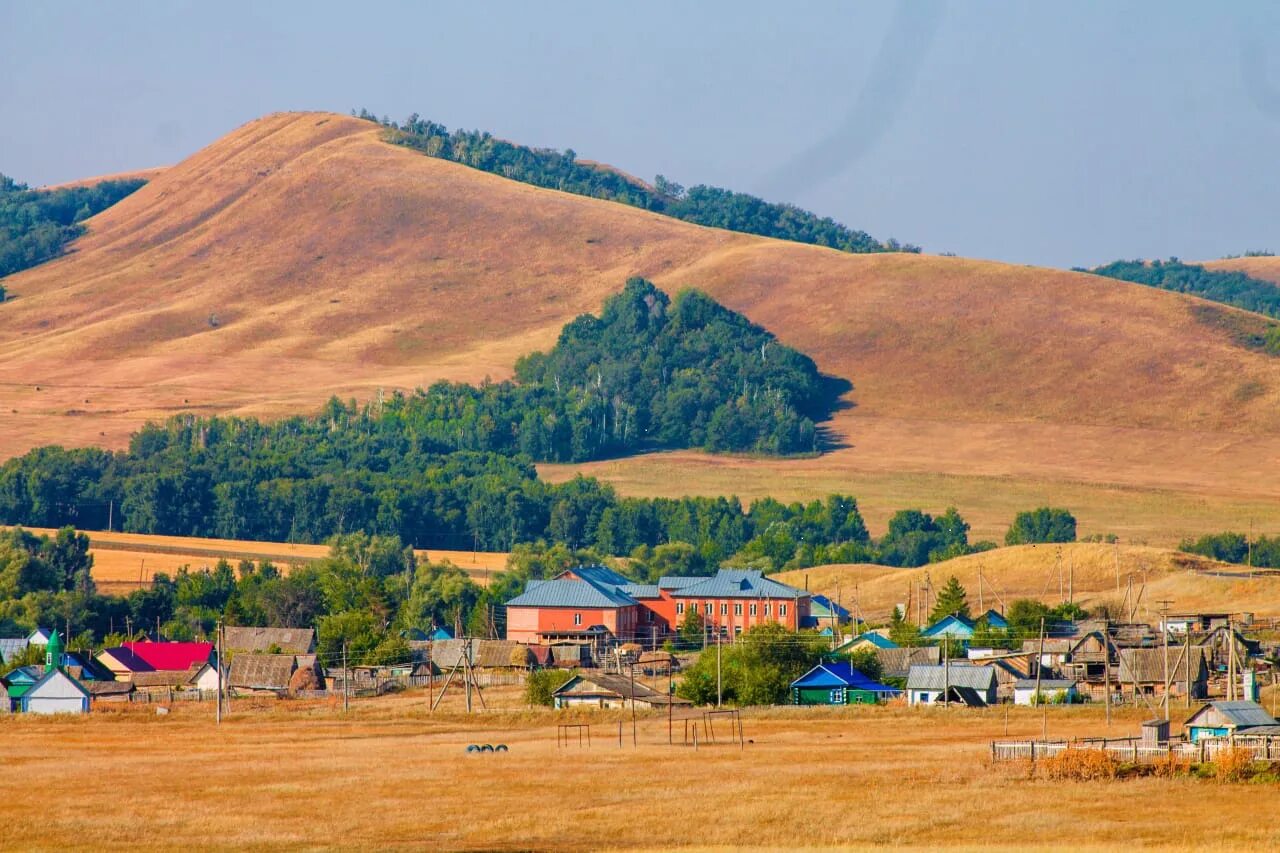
(603,690)
(122,663)
(839,683)
(287,641)
(1144,671)
(869,640)
(261,674)
(56,692)
(596,606)
(897,662)
(1223,719)
(963,682)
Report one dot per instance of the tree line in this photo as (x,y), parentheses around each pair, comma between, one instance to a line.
(36,225)
(1232,547)
(1227,286)
(561,170)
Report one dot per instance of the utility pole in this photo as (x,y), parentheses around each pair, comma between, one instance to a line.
(718,681)
(1231,659)
(1039,669)
(1106,666)
(1071,578)
(981,603)
(633,703)
(346,679)
(217,662)
(1117,552)
(1164,638)
(1186,651)
(111,507)
(946,673)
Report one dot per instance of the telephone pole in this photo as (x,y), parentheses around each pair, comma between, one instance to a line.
(1164,638)
(1106,666)
(346,679)
(1039,669)
(217,662)
(718,682)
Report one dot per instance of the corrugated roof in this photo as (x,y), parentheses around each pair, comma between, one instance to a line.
(677,582)
(896,663)
(960,675)
(10,646)
(620,686)
(1146,666)
(599,575)
(1045,684)
(571,593)
(738,583)
(1244,713)
(126,658)
(107,688)
(294,641)
(641,590)
(485,654)
(843,673)
(171,655)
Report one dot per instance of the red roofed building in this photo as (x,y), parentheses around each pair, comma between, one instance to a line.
(172,656)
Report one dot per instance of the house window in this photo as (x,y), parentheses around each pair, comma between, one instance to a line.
(782,610)
(737,630)
(708,608)
(724,609)
(577,618)
(766,610)
(649,618)
(837,696)
(679,607)
(737,609)
(753,610)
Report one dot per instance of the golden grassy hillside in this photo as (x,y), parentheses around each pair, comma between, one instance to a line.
(301,256)
(1088,573)
(1260,267)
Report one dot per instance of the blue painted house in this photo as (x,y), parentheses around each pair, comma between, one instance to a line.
(838,683)
(1220,719)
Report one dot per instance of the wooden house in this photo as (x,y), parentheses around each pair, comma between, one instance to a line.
(56,693)
(1144,672)
(109,691)
(839,683)
(1222,719)
(602,690)
(287,641)
(259,674)
(897,662)
(122,663)
(927,684)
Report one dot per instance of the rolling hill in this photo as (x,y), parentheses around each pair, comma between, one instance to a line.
(1134,576)
(301,256)
(1260,266)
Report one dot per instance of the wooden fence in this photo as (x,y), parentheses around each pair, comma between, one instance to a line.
(1263,747)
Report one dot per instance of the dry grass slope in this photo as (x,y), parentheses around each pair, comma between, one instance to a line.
(1092,572)
(300,256)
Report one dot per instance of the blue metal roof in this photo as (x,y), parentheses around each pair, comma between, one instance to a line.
(738,583)
(950,626)
(676,582)
(570,593)
(878,640)
(994,619)
(641,590)
(598,575)
(841,674)
(825,606)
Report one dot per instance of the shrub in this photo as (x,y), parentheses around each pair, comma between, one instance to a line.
(1171,766)
(541,683)
(1080,765)
(1232,764)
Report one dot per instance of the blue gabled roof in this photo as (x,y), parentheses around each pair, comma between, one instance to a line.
(570,593)
(878,640)
(739,583)
(821,602)
(841,674)
(952,626)
(598,575)
(994,619)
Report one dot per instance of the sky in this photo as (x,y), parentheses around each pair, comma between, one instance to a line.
(1061,134)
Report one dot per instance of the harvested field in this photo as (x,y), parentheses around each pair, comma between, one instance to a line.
(388,775)
(124,561)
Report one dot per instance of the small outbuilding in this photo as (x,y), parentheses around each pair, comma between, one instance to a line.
(839,683)
(56,693)
(1052,691)
(602,690)
(928,685)
(1222,719)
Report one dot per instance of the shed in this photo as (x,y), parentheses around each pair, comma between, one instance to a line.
(56,693)
(1053,691)
(109,691)
(1221,719)
(925,684)
(268,674)
(838,683)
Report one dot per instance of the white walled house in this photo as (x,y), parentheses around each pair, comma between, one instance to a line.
(205,679)
(56,693)
(1052,691)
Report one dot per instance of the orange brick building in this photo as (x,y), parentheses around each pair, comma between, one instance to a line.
(595,604)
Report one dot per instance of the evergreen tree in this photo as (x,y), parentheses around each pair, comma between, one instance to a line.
(903,631)
(951,601)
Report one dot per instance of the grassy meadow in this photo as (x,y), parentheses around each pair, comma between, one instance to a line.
(390,775)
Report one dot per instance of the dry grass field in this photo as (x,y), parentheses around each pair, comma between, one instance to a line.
(388,775)
(1264,267)
(125,561)
(300,256)
(1092,573)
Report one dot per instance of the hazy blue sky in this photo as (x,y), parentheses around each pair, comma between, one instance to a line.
(1051,133)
